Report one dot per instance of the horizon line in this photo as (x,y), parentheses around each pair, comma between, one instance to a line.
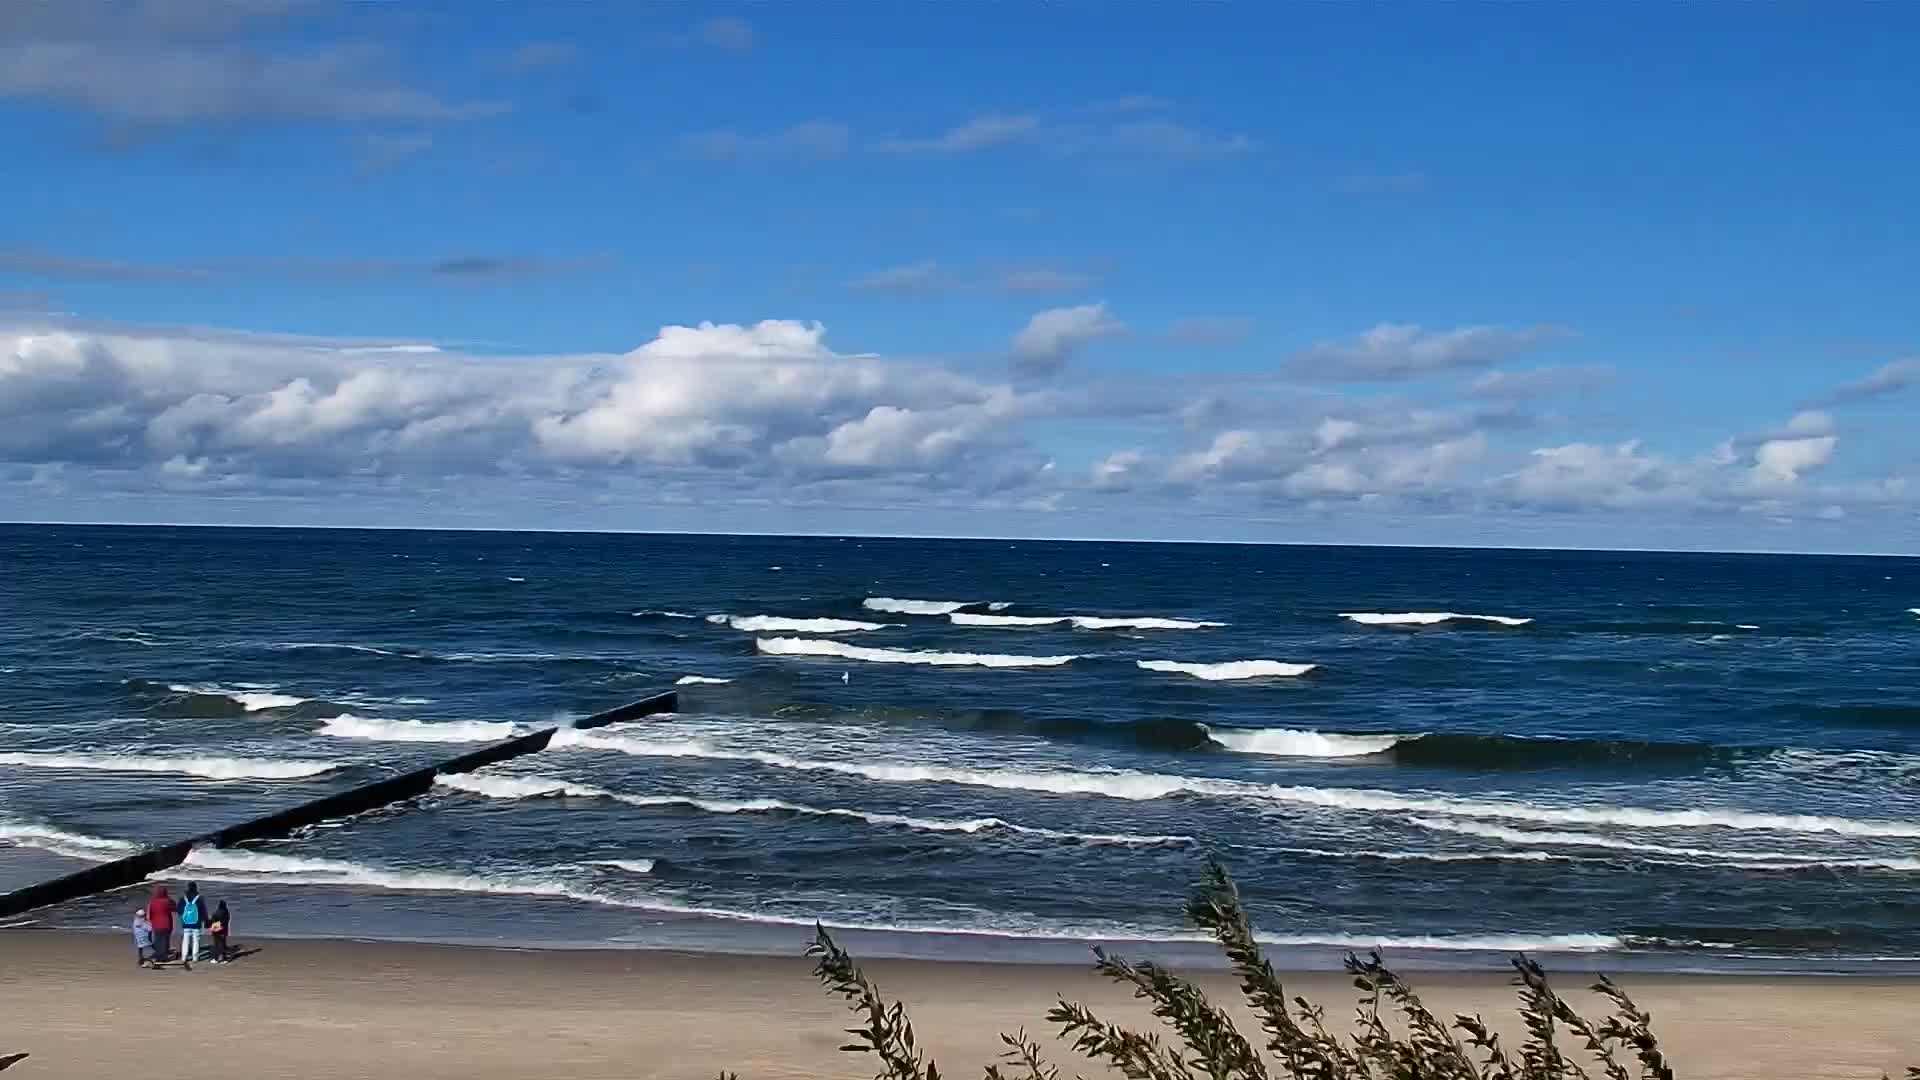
(802,535)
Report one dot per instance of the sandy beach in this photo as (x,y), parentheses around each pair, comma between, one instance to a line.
(77,1004)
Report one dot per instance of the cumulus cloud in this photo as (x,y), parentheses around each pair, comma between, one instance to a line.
(768,400)
(1395,351)
(1054,335)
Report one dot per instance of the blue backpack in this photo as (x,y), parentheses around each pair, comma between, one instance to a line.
(190,913)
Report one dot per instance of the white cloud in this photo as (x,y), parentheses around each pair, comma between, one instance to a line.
(1395,351)
(1782,462)
(1531,383)
(1052,336)
(814,139)
(765,400)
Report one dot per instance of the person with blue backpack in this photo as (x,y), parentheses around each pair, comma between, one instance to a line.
(193,919)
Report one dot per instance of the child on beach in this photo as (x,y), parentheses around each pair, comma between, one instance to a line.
(143,937)
(219,927)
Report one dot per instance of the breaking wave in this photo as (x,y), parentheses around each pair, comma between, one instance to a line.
(249,698)
(262,868)
(1739,860)
(349,726)
(533,787)
(803,626)
(1141,786)
(1078,622)
(700,680)
(1229,670)
(658,614)
(1287,742)
(895,606)
(1426,618)
(815,647)
(631,866)
(62,842)
(212,768)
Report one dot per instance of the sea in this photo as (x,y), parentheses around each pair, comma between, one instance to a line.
(1000,750)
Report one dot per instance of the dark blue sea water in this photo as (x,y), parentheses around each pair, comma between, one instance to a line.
(1644,760)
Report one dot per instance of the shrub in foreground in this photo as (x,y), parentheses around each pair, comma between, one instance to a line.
(1395,1036)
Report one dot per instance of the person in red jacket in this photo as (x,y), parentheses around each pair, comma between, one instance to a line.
(160,913)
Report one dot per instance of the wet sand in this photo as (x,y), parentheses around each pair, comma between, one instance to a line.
(303,1009)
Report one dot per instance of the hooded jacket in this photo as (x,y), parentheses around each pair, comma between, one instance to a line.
(160,911)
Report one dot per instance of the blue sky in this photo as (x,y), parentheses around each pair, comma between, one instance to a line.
(1564,274)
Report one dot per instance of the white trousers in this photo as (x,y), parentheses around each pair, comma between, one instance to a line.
(189,943)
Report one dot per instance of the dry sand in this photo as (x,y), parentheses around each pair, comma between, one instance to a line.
(317,1009)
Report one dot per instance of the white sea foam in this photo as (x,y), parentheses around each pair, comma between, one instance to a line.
(1913,611)
(1426,618)
(914,607)
(533,787)
(250,699)
(1078,622)
(349,726)
(264,868)
(803,626)
(700,680)
(212,768)
(344,646)
(1140,786)
(631,866)
(1229,670)
(1288,742)
(816,647)
(1752,860)
(61,842)
(664,614)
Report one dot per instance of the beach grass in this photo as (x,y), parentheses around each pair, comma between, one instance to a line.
(1395,1036)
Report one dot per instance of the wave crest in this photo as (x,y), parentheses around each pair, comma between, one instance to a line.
(895,606)
(349,726)
(1426,618)
(700,680)
(211,768)
(815,647)
(1229,670)
(757,623)
(1079,622)
(249,698)
(1288,742)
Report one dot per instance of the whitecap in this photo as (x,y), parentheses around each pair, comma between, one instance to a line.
(815,647)
(1229,670)
(700,680)
(1078,622)
(344,646)
(1288,742)
(631,866)
(533,787)
(252,700)
(349,726)
(61,842)
(803,626)
(1762,860)
(1141,786)
(211,768)
(914,607)
(1426,618)
(664,614)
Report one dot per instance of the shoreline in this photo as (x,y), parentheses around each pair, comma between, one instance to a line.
(306,1007)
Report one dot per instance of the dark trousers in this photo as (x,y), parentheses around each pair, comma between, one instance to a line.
(219,944)
(163,944)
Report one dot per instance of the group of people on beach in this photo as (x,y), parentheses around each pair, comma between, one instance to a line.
(153,928)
